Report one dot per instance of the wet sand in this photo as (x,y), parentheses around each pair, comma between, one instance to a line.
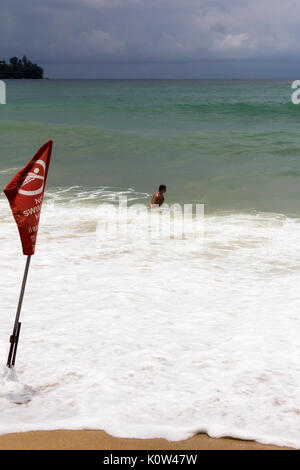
(100,440)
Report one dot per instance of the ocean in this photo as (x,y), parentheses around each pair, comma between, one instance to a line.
(162,336)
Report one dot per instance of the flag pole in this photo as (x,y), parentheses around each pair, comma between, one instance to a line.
(14,339)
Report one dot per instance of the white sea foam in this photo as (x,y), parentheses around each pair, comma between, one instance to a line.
(8,171)
(153,338)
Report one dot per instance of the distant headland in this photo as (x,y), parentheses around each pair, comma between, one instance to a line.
(20,68)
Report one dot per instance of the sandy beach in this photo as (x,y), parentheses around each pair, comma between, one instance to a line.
(100,440)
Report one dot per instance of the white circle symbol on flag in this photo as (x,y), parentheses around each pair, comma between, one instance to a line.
(36,180)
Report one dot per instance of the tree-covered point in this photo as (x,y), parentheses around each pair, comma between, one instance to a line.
(20,68)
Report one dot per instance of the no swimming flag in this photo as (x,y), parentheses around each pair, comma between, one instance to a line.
(25,194)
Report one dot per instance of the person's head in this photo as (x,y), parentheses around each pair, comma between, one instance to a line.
(162,188)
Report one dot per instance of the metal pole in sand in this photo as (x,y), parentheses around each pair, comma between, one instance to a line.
(14,339)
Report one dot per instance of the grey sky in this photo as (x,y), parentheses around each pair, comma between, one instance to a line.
(155,38)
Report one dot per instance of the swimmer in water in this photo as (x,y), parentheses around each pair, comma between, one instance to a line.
(158,197)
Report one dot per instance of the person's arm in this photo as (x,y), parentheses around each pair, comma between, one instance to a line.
(161,200)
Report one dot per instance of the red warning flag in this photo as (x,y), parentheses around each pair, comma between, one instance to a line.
(25,194)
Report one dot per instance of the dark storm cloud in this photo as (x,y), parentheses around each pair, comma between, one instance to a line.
(95,31)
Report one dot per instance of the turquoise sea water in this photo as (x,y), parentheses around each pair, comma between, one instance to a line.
(233,145)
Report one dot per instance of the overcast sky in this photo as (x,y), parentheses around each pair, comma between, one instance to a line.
(155,38)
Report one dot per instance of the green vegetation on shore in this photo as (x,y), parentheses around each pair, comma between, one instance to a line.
(20,68)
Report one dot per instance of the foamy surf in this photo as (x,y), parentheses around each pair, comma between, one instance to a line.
(150,337)
(8,171)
